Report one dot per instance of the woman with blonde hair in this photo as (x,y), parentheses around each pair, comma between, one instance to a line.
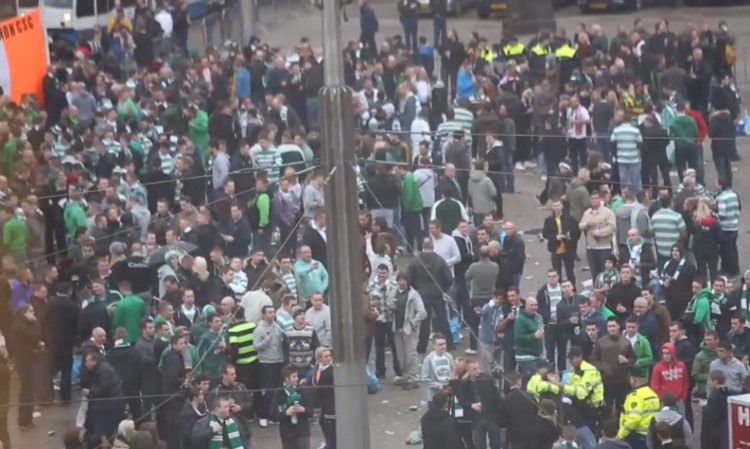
(463,425)
(706,235)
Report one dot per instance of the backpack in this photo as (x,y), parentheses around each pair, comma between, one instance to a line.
(730,55)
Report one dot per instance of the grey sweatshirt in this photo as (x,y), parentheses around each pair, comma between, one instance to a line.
(482,276)
(734,371)
(320,320)
(312,200)
(271,351)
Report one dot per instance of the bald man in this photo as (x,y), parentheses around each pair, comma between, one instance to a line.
(648,323)
(528,334)
(515,248)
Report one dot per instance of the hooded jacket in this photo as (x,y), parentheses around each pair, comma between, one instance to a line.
(721,130)
(706,234)
(701,368)
(670,376)
(578,198)
(482,193)
(679,428)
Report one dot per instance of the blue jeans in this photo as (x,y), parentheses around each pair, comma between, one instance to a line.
(630,176)
(262,240)
(596,259)
(313,110)
(509,179)
(586,437)
(386,214)
(527,369)
(410,32)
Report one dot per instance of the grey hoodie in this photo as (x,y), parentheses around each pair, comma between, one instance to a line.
(482,193)
(734,371)
(633,215)
(670,417)
(271,351)
(312,200)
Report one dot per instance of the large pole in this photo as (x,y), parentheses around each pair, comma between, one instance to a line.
(248,14)
(344,253)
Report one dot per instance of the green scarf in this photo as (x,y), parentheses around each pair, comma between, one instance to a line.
(677,270)
(217,440)
(292,398)
(743,304)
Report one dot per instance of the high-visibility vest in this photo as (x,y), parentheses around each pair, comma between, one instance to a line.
(637,412)
(487,54)
(540,50)
(512,50)
(565,52)
(588,383)
(243,335)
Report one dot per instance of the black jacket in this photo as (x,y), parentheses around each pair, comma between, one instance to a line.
(647,260)
(504,279)
(385,191)
(706,235)
(368,21)
(104,384)
(544,433)
(550,231)
(439,429)
(62,318)
(715,416)
(624,294)
(25,339)
(467,256)
(125,359)
(518,411)
(424,271)
(201,434)
(172,380)
(93,315)
(722,131)
(222,127)
(148,364)
(655,141)
(515,248)
(484,390)
(288,430)
(323,394)
(318,246)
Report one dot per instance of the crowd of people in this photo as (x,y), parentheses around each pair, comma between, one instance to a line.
(164,236)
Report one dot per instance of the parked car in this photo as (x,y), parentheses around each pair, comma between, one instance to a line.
(455,7)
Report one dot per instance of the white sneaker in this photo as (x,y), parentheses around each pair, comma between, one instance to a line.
(470,352)
(520,166)
(263,423)
(530,164)
(544,178)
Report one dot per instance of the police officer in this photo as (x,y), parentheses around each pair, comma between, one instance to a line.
(514,50)
(639,409)
(588,393)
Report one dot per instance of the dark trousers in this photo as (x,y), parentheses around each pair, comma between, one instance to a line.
(481,430)
(410,34)
(707,262)
(556,342)
(168,422)
(383,335)
(437,313)
(262,240)
(509,356)
(461,298)
(270,378)
(465,435)
(568,259)
(299,443)
(723,166)
(439,25)
(412,221)
(636,441)
(290,247)
(730,262)
(104,423)
(370,48)
(614,395)
(596,259)
(328,427)
(63,362)
(686,155)
(4,399)
(577,153)
(25,393)
(650,175)
(248,374)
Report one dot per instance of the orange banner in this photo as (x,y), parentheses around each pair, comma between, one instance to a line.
(23,56)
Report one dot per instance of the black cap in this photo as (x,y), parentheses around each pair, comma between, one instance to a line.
(575,351)
(637,372)
(543,363)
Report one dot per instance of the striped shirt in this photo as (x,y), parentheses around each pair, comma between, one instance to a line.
(167,163)
(269,160)
(290,281)
(284,319)
(627,138)
(112,146)
(242,339)
(463,119)
(729,207)
(667,225)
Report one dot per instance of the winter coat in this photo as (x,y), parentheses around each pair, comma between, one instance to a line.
(104,383)
(527,346)
(25,339)
(701,368)
(291,431)
(706,235)
(518,411)
(578,198)
(424,270)
(714,424)
(125,359)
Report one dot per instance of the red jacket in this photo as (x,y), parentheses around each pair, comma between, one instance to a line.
(672,376)
(700,123)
